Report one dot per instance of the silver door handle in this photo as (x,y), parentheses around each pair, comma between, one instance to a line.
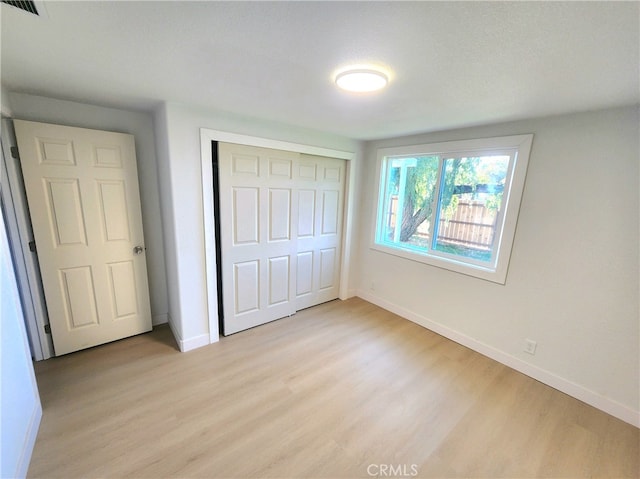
(138,250)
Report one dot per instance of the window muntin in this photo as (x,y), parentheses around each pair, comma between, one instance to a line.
(452,206)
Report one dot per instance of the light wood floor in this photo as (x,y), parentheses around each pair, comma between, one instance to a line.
(342,390)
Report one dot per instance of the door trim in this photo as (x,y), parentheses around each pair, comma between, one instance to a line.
(19,233)
(206,137)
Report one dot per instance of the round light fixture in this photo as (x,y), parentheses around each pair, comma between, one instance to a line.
(361,80)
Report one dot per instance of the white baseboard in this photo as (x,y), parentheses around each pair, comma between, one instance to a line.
(159,319)
(194,342)
(581,393)
(30,440)
(189,343)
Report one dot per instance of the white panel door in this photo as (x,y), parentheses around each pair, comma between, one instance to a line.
(281,232)
(84,203)
(258,234)
(320,184)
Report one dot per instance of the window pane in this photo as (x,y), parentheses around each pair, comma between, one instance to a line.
(408,201)
(469,206)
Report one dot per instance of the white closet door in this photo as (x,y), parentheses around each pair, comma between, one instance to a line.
(320,183)
(281,232)
(258,235)
(82,189)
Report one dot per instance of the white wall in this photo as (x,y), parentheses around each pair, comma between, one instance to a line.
(138,124)
(168,223)
(573,282)
(178,129)
(20,408)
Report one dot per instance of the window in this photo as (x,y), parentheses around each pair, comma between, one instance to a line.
(453,205)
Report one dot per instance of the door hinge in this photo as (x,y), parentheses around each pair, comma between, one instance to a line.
(32,246)
(14,152)
(47,328)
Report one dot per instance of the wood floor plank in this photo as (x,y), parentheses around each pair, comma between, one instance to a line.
(336,391)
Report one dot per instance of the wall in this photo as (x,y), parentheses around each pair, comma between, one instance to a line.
(140,125)
(572,284)
(168,223)
(20,408)
(178,129)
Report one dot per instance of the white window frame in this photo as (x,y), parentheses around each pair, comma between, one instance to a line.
(518,147)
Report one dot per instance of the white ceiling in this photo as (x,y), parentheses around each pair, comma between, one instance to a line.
(455,63)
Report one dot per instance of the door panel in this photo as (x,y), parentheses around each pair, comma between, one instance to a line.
(65,211)
(280,168)
(327,268)
(246,286)
(279,214)
(320,238)
(114,210)
(123,289)
(330,203)
(245,215)
(278,280)
(78,295)
(306,213)
(281,224)
(304,273)
(55,152)
(258,235)
(108,156)
(82,190)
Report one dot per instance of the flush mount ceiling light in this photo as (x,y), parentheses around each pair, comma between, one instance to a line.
(361,80)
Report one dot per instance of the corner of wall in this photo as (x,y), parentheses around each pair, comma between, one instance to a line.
(187,344)
(5,108)
(30,441)
(158,319)
(161,133)
(577,391)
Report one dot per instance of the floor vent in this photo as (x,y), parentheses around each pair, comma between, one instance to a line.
(26,5)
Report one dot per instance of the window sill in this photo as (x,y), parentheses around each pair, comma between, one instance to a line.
(497,275)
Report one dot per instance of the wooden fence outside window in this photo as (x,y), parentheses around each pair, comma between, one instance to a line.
(472,225)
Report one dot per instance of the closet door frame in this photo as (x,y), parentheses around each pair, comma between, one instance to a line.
(207,137)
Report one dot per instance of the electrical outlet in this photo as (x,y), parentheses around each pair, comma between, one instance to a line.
(530,346)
